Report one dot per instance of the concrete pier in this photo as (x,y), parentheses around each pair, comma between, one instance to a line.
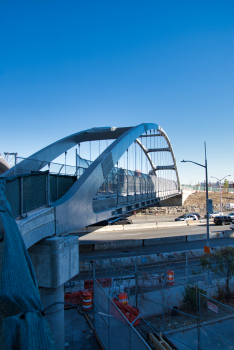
(55,261)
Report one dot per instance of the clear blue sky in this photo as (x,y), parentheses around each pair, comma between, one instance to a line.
(66,66)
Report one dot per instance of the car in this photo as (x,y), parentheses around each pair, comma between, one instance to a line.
(231,215)
(198,215)
(186,217)
(114,221)
(222,220)
(214,214)
(232,225)
(120,221)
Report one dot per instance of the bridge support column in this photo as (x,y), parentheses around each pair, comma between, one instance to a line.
(54,315)
(55,261)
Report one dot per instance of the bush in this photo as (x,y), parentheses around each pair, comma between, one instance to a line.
(189,295)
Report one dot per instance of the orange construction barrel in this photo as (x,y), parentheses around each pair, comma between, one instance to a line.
(170,278)
(123,298)
(87,300)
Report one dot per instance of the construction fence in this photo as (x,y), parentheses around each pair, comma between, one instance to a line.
(189,311)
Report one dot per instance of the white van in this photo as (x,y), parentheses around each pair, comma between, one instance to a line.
(229,206)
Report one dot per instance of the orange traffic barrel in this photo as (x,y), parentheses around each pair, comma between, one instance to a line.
(87,300)
(123,298)
(170,278)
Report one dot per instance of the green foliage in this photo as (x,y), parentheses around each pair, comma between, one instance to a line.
(221,263)
(190,294)
(226,184)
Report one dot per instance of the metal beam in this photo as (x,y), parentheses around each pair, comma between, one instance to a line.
(164,167)
(167,149)
(151,135)
(147,155)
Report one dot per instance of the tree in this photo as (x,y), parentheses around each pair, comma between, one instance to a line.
(222,264)
(226,184)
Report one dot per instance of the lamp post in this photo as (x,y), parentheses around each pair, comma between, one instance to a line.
(207,213)
(220,190)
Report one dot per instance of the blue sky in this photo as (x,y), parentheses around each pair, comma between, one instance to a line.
(66,66)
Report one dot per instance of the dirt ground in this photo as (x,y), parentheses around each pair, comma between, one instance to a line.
(187,317)
(199,199)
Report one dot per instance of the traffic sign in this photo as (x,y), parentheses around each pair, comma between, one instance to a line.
(206,249)
(212,307)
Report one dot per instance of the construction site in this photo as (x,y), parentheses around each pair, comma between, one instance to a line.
(152,300)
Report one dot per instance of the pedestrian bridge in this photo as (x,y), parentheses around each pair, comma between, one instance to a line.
(137,168)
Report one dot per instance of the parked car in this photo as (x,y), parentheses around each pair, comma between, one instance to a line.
(232,225)
(231,215)
(186,217)
(222,220)
(214,214)
(198,215)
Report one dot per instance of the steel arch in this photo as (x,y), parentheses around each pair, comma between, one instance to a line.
(74,210)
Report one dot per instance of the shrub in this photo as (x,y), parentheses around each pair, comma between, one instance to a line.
(189,295)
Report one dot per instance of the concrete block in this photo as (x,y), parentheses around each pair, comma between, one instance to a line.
(55,260)
(162,240)
(36,235)
(197,237)
(37,226)
(217,234)
(229,233)
(118,244)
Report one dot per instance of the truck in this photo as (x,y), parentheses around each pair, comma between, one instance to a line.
(229,206)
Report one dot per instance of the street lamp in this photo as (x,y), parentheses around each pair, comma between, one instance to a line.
(207,213)
(220,190)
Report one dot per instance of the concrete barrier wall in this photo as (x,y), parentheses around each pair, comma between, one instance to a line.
(140,226)
(111,245)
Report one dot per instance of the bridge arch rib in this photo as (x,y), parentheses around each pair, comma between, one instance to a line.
(74,210)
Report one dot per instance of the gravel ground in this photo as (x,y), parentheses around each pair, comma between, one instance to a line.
(78,334)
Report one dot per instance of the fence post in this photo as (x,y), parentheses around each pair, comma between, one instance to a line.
(21,197)
(127,175)
(48,186)
(136,280)
(15,169)
(109,330)
(186,254)
(198,318)
(57,187)
(76,164)
(163,304)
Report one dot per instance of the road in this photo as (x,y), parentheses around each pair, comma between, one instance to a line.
(162,218)
(103,236)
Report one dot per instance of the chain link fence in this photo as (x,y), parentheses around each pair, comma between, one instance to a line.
(190,312)
(113,328)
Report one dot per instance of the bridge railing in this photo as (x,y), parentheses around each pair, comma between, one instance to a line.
(31,191)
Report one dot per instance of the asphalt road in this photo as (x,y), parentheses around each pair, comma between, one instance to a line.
(162,218)
(103,236)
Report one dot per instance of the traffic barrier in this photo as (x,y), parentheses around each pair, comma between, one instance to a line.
(170,278)
(131,313)
(104,282)
(74,298)
(87,300)
(123,298)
